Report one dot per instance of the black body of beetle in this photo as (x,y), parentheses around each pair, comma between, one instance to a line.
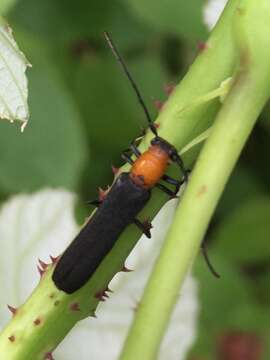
(119,209)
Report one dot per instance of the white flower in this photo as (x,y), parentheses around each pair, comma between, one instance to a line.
(211,12)
(31,227)
(43,224)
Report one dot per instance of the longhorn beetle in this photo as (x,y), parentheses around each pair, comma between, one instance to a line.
(125,199)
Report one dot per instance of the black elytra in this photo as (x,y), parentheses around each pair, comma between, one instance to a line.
(118,210)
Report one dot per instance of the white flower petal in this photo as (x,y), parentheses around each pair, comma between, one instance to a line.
(31,226)
(13,82)
(102,338)
(211,12)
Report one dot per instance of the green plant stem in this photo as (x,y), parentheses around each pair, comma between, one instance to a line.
(211,172)
(55,308)
(248,95)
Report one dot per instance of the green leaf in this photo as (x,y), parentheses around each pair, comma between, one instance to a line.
(219,299)
(178,17)
(62,21)
(251,317)
(243,184)
(13,88)
(261,284)
(74,21)
(52,149)
(243,236)
(220,296)
(101,79)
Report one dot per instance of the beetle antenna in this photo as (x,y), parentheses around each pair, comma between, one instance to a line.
(207,260)
(131,80)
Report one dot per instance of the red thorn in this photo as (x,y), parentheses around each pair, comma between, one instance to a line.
(109,290)
(12,309)
(74,307)
(201,45)
(115,170)
(101,295)
(48,356)
(103,193)
(158,104)
(136,307)
(125,269)
(93,314)
(43,264)
(54,259)
(156,125)
(37,321)
(11,338)
(169,88)
(41,271)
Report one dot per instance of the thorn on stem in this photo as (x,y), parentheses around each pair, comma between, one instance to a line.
(103,193)
(54,259)
(37,321)
(12,309)
(115,170)
(75,307)
(43,265)
(201,45)
(48,356)
(101,295)
(93,314)
(158,104)
(125,269)
(169,88)
(41,271)
(11,338)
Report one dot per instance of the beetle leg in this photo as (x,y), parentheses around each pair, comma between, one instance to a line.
(207,260)
(127,158)
(94,202)
(178,160)
(145,227)
(135,150)
(174,182)
(171,193)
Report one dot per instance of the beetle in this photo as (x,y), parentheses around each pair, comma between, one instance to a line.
(119,208)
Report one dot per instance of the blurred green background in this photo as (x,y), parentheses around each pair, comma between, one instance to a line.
(83,114)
